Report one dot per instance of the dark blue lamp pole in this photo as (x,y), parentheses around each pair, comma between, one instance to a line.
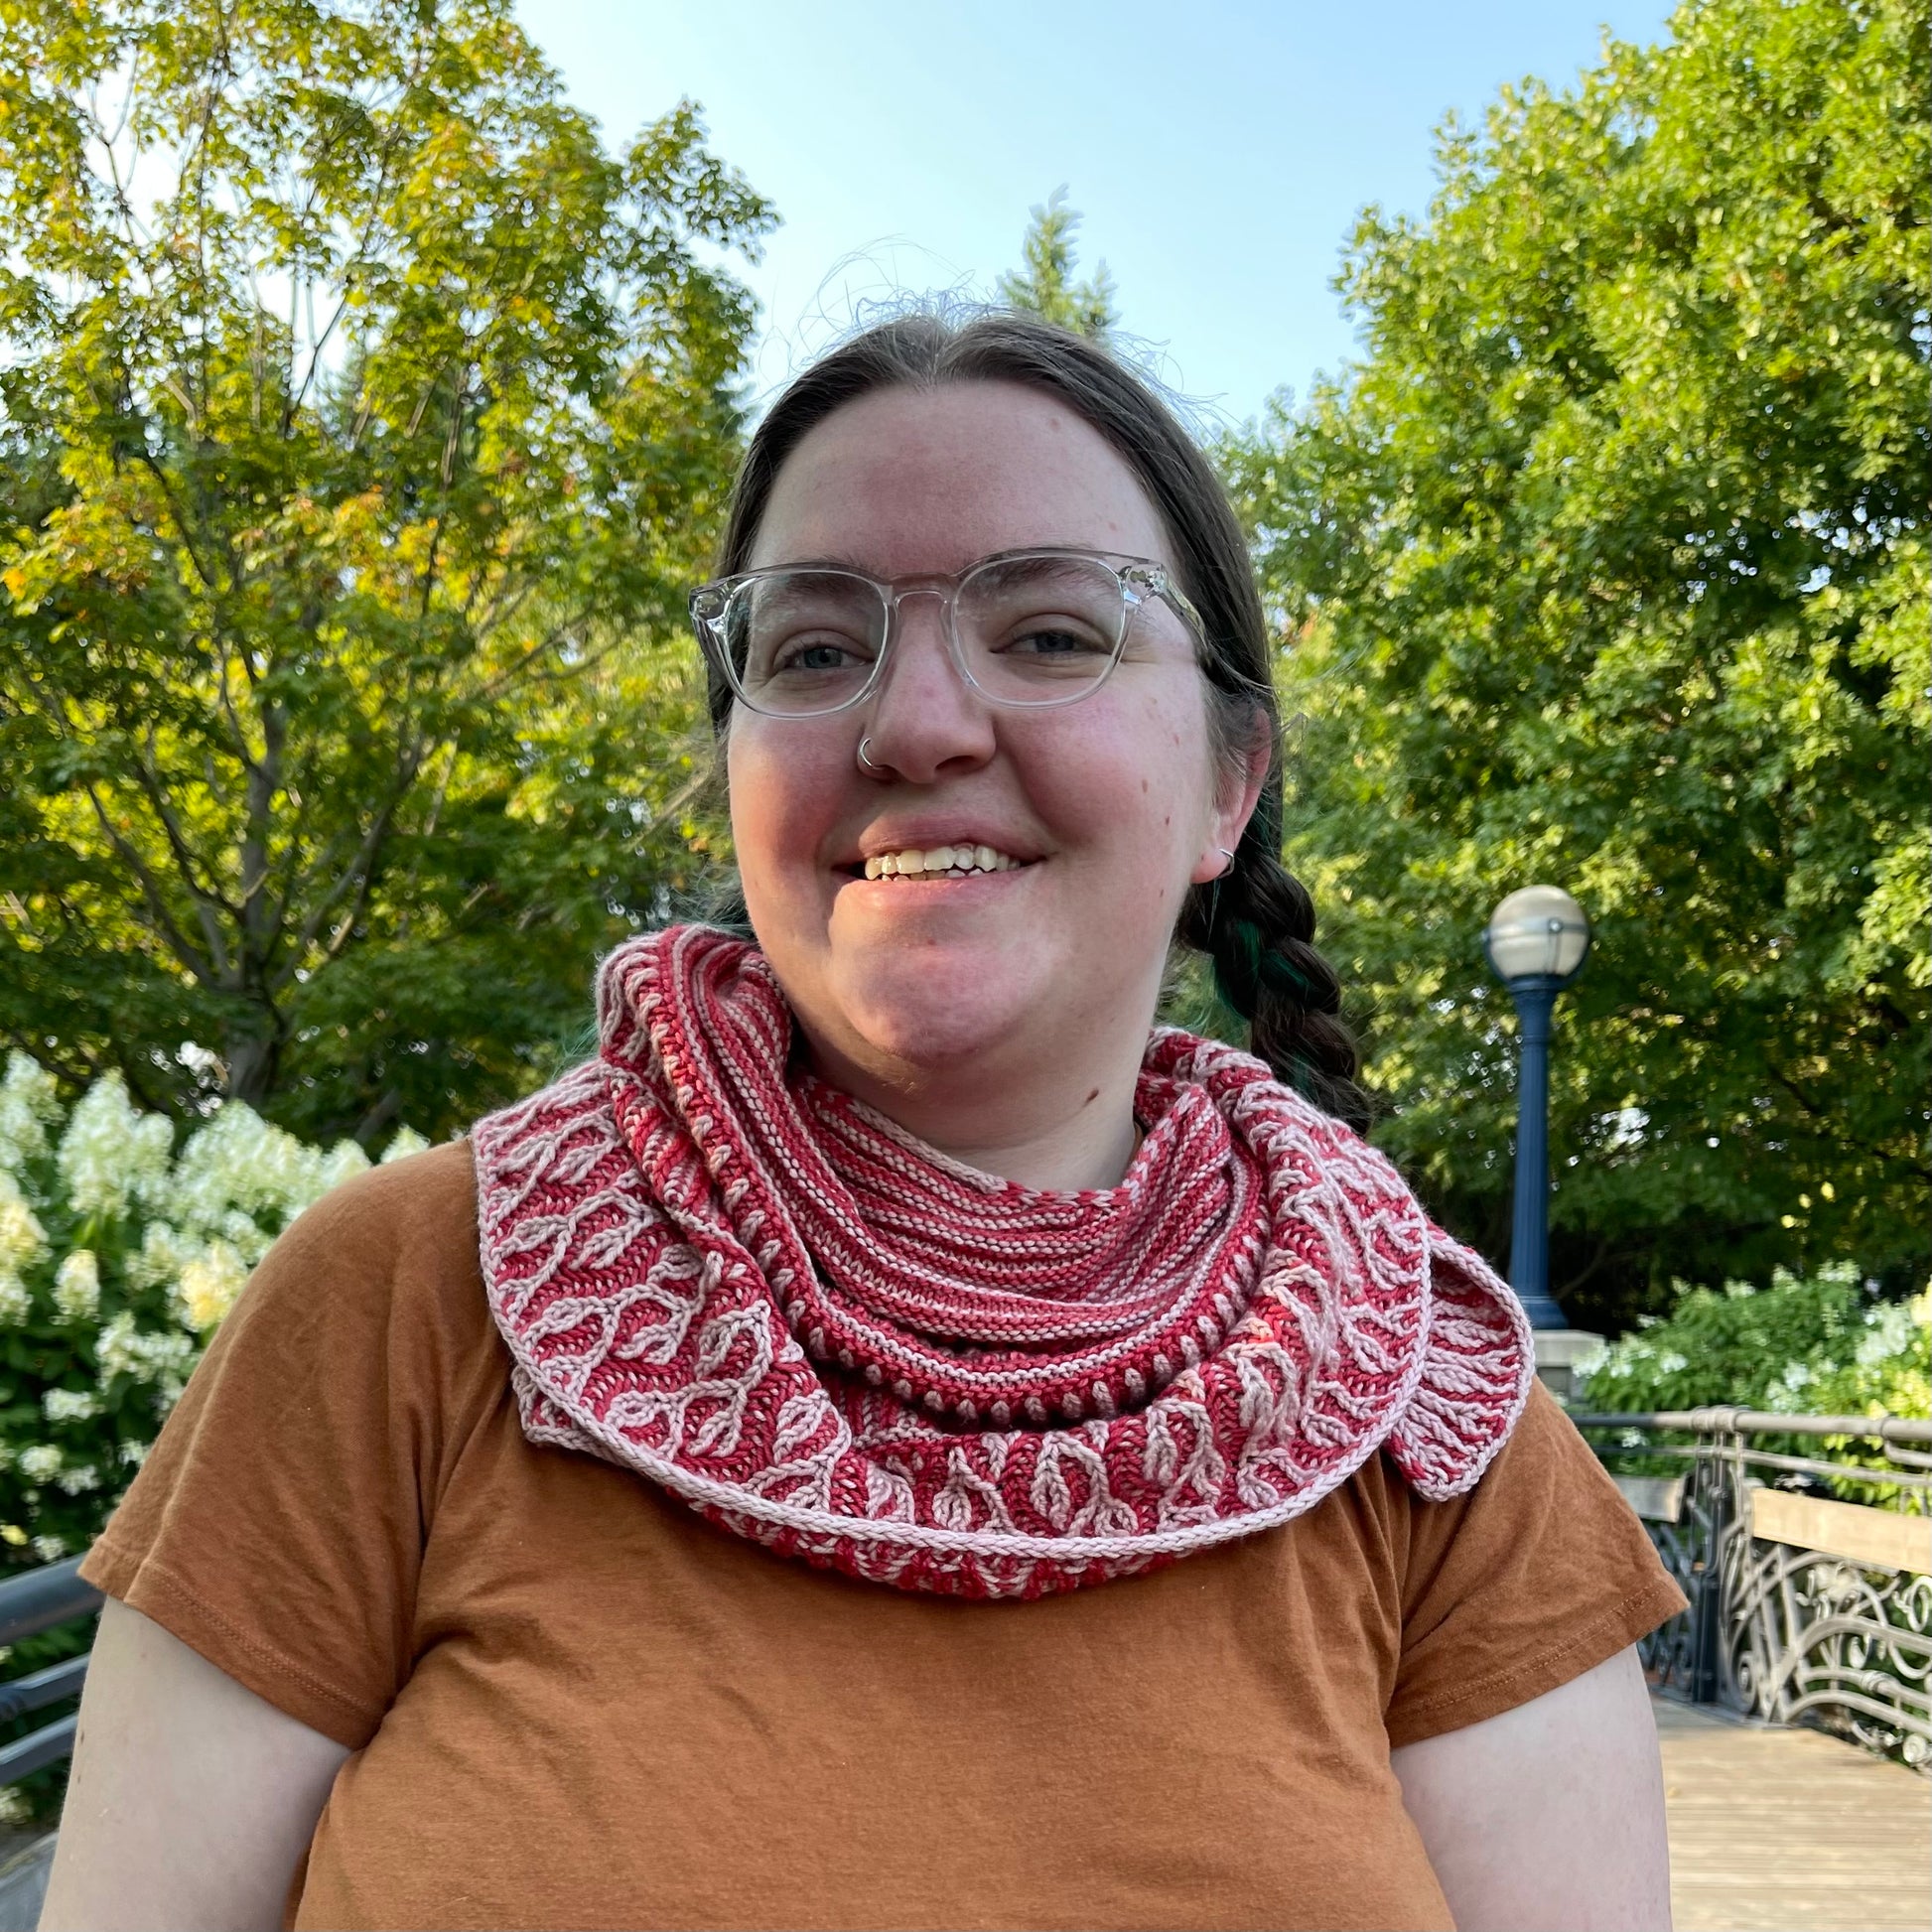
(1536,941)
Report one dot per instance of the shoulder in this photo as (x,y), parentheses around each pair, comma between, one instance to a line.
(1541,1462)
(1543,1471)
(400,1207)
(1536,1575)
(1544,1450)
(360,1352)
(382,1270)
(407,1222)
(279,1523)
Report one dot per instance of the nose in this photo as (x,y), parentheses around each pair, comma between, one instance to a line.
(926,722)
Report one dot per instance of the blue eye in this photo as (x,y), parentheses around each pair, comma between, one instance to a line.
(817,657)
(1051,640)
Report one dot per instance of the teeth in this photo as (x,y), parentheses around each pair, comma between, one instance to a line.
(941,857)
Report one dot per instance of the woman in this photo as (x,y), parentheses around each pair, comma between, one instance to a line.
(888,1443)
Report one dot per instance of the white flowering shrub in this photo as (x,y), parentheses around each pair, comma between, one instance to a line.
(1816,1345)
(119,1254)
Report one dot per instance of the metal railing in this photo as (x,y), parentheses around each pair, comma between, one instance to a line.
(1810,1577)
(30,1602)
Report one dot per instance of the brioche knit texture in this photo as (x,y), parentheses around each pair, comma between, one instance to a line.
(713,1269)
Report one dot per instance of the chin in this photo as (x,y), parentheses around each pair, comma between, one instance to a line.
(933,1011)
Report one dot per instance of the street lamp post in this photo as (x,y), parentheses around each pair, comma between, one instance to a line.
(1536,941)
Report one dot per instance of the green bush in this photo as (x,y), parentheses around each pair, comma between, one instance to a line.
(1819,1345)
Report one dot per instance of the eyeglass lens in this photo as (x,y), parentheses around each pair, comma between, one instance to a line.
(1030,630)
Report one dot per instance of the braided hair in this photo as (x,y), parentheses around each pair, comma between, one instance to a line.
(1256,922)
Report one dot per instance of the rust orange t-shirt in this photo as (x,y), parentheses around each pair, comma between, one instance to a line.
(572,1702)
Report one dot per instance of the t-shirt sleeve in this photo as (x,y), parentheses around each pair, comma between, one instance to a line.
(1540,1574)
(278,1524)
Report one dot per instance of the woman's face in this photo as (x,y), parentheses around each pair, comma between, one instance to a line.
(1110,807)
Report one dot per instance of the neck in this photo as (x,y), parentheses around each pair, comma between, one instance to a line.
(1067,1134)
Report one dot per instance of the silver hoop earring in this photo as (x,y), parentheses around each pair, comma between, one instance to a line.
(866,762)
(1214,889)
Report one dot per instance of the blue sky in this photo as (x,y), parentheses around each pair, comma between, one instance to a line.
(1218,150)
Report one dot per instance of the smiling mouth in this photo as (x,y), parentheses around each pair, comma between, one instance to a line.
(939,862)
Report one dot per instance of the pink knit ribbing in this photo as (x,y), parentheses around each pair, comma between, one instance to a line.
(766,1298)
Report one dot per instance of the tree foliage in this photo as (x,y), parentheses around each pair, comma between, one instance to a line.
(1608,564)
(364,419)
(1043,285)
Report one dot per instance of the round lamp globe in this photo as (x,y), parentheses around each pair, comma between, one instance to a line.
(1539,933)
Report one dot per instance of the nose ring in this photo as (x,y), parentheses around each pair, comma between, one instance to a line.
(876,770)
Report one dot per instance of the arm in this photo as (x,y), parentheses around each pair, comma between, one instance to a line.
(192,1798)
(1551,1815)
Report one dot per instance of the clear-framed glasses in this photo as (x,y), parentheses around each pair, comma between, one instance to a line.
(1032,628)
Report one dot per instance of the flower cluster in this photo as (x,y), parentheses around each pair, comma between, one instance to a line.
(118,1257)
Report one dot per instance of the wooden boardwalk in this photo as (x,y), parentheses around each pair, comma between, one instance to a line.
(1790,1831)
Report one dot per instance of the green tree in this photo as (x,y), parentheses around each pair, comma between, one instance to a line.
(364,420)
(1044,285)
(1607,565)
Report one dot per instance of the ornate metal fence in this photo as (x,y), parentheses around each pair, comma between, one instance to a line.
(1810,1577)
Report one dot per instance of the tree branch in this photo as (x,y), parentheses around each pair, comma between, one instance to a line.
(494,687)
(257,924)
(355,879)
(150,782)
(76,1066)
(384,156)
(1843,1139)
(148,462)
(176,942)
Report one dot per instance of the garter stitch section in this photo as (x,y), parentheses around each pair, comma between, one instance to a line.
(745,1285)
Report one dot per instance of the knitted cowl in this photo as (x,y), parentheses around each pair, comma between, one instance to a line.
(714,1268)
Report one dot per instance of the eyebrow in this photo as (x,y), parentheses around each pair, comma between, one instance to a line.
(995,556)
(822,563)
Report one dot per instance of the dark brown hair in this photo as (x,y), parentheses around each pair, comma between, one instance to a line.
(1256,922)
